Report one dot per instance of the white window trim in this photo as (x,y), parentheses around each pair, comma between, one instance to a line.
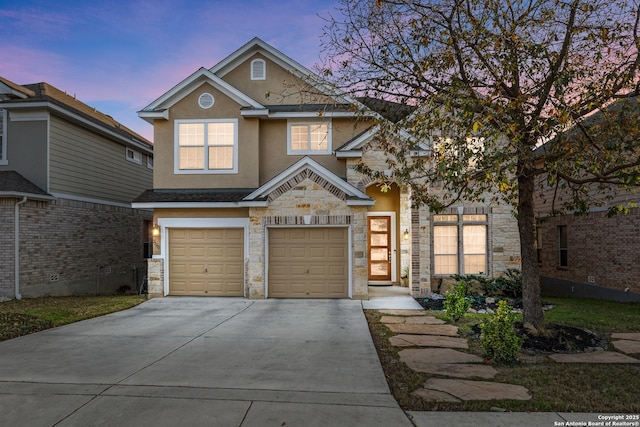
(459,224)
(3,137)
(176,150)
(292,122)
(136,156)
(264,69)
(150,162)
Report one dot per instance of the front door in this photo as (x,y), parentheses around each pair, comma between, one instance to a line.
(379,228)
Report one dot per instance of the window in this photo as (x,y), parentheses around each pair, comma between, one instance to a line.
(134,156)
(459,244)
(258,69)
(149,162)
(206,146)
(539,242)
(309,138)
(563,252)
(3,137)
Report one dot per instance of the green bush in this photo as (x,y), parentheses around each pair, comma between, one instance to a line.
(455,304)
(509,285)
(500,341)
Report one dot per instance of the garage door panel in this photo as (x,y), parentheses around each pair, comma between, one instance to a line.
(206,262)
(308,263)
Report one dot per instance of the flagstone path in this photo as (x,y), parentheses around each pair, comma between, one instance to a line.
(435,349)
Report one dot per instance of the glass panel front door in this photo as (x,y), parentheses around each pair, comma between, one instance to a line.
(379,228)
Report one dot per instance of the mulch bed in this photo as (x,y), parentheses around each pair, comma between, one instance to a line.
(554,339)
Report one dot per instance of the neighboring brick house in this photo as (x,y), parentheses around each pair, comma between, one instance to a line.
(255,193)
(594,255)
(589,256)
(67,176)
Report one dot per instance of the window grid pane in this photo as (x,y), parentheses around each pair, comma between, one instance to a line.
(299,137)
(220,134)
(191,158)
(220,157)
(445,249)
(191,134)
(319,136)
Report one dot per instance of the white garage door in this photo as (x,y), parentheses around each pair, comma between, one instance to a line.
(206,261)
(308,262)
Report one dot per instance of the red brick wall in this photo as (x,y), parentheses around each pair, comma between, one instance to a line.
(608,249)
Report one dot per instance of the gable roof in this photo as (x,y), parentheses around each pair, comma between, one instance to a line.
(12,184)
(43,94)
(309,168)
(158,109)
(254,45)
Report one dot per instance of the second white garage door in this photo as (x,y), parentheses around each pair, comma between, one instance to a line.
(206,261)
(308,263)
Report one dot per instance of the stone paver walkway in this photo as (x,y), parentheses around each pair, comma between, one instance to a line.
(593,357)
(434,351)
(406,340)
(436,354)
(628,343)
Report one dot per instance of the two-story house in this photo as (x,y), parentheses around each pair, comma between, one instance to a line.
(68,174)
(255,193)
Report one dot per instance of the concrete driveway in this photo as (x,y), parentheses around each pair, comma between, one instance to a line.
(201,361)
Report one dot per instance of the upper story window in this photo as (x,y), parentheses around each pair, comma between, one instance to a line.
(150,162)
(3,137)
(308,137)
(460,244)
(258,69)
(134,156)
(206,146)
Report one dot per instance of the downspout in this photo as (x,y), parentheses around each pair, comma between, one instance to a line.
(16,247)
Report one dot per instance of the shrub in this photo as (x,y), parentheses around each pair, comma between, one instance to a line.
(509,285)
(500,341)
(455,304)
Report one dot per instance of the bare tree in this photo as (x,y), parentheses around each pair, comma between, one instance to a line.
(491,80)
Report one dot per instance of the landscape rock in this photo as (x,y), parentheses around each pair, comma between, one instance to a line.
(459,370)
(635,336)
(405,328)
(434,396)
(414,320)
(593,357)
(406,340)
(478,390)
(418,358)
(403,312)
(627,346)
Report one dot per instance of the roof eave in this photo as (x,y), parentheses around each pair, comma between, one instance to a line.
(196,205)
(150,116)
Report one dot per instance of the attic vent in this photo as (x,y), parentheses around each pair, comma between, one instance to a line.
(206,101)
(258,69)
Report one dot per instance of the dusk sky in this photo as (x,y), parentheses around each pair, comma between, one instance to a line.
(119,56)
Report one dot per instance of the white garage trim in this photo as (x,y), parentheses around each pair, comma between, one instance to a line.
(349,252)
(166,223)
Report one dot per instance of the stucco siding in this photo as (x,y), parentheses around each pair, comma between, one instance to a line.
(88,165)
(279,87)
(188,109)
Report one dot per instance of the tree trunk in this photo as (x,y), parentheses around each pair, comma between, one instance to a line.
(531,299)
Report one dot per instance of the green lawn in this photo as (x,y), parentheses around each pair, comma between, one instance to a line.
(22,317)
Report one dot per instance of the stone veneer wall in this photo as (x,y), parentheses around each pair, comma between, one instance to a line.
(71,247)
(308,198)
(503,237)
